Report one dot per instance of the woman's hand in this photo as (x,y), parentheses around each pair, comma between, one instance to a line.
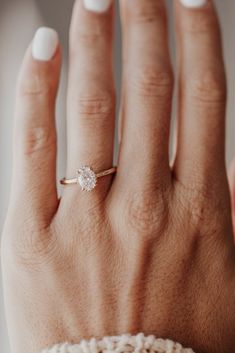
(152,249)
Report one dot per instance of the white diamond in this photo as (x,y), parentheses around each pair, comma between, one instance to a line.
(86,178)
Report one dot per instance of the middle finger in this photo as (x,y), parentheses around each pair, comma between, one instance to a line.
(148,86)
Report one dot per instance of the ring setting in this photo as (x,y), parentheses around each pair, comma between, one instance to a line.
(87,179)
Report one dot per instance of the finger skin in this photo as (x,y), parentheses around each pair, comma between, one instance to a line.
(232,191)
(91,98)
(34,164)
(147,93)
(202,94)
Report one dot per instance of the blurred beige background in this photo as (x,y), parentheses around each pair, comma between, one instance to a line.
(18,21)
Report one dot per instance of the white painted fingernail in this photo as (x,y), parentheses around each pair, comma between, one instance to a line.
(99,6)
(45,44)
(193,3)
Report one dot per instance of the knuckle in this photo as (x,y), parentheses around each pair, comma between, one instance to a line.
(147,12)
(209,87)
(204,209)
(94,37)
(96,105)
(35,86)
(89,39)
(146,215)
(37,138)
(151,82)
(198,211)
(192,209)
(200,23)
(31,250)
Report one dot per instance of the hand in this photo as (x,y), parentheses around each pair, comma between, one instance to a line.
(152,249)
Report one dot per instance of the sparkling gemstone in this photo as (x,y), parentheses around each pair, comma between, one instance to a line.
(86,178)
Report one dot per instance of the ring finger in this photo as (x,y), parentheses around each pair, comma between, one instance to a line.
(91,108)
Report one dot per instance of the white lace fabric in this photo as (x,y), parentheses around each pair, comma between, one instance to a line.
(121,344)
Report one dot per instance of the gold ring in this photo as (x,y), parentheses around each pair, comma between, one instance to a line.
(87,178)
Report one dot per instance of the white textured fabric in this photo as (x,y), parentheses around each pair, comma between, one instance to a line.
(121,344)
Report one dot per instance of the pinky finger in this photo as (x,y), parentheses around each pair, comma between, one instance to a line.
(34,162)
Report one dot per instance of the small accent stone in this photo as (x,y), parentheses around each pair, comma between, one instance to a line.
(86,178)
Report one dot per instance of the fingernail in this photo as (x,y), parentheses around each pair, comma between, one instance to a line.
(193,3)
(99,6)
(45,44)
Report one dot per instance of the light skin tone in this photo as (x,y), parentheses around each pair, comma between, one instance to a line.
(150,250)
(232,188)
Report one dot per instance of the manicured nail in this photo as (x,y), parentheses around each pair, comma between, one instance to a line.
(97,5)
(45,44)
(193,3)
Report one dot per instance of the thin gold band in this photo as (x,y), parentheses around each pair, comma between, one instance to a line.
(98,175)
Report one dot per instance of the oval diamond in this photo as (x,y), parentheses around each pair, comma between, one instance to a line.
(86,178)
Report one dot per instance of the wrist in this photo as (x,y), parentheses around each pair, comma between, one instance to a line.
(124,343)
